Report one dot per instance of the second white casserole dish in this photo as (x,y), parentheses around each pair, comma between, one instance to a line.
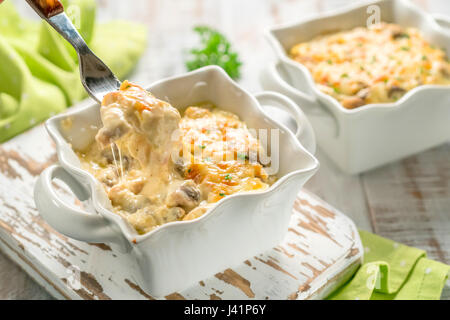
(372,135)
(180,253)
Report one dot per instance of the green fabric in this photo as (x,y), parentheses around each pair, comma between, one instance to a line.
(39,73)
(392,271)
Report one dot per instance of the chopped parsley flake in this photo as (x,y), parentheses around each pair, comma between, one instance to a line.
(242,156)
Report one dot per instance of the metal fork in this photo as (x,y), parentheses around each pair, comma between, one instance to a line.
(96,77)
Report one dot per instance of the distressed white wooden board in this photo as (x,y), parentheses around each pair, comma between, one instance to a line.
(321,249)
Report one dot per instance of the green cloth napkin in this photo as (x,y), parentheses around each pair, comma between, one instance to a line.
(392,271)
(39,74)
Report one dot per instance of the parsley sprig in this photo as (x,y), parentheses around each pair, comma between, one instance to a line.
(215,49)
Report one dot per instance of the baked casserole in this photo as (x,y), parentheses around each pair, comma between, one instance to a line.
(157,166)
(377,64)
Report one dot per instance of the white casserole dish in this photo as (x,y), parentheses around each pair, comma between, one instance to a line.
(181,253)
(372,135)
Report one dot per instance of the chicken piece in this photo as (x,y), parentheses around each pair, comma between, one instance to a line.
(197,212)
(115,124)
(159,124)
(109,176)
(121,196)
(146,220)
(171,214)
(196,112)
(136,184)
(133,109)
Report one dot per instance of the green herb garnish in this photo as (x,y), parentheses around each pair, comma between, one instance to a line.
(405,48)
(228,177)
(215,49)
(401,35)
(344,75)
(222,194)
(242,156)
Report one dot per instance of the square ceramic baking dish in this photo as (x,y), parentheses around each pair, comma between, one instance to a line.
(181,253)
(372,135)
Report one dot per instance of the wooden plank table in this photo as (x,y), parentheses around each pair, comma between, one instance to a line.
(407,201)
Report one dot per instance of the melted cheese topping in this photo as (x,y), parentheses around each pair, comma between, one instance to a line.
(378,64)
(158,167)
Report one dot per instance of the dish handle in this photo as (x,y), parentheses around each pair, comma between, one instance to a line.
(74,223)
(270,79)
(304,133)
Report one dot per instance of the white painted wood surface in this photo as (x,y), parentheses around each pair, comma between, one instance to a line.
(407,201)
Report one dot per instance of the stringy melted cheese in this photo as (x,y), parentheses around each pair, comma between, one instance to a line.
(158,167)
(378,64)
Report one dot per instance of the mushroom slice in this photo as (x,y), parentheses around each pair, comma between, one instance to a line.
(353,102)
(396,92)
(186,196)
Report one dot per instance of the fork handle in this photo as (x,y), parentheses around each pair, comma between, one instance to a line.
(92,69)
(52,11)
(46,8)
